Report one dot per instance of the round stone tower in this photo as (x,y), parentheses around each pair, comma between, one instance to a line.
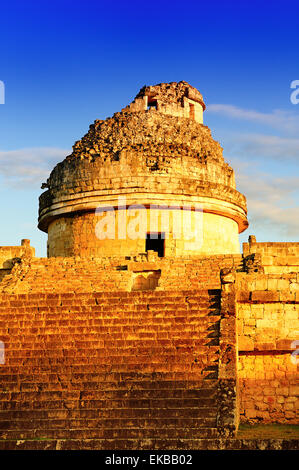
(149,178)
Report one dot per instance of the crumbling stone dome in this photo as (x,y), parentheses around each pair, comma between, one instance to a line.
(156,151)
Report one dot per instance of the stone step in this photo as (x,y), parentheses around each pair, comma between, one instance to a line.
(122,345)
(152,368)
(140,379)
(114,297)
(162,421)
(61,377)
(148,310)
(193,331)
(55,356)
(62,384)
(198,364)
(53,376)
(131,352)
(45,319)
(40,306)
(129,348)
(105,298)
(112,389)
(113,409)
(88,394)
(116,294)
(111,433)
(157,444)
(106,311)
(138,341)
(29,314)
(92,318)
(164,363)
(132,303)
(114,401)
(119,336)
(125,298)
(100,327)
(140,401)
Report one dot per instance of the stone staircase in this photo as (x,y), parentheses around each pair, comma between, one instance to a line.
(111,370)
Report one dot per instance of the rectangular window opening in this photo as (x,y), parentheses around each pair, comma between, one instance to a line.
(152,104)
(156,242)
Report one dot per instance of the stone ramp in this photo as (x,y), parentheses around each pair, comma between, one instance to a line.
(113,367)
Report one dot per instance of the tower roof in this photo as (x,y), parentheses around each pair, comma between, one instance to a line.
(173,92)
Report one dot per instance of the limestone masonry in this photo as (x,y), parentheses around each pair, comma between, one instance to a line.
(145,327)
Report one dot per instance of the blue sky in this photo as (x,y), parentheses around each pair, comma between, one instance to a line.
(66,63)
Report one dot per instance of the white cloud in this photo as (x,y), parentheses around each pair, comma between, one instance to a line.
(29,167)
(272,195)
(273,204)
(264,146)
(281,120)
(282,146)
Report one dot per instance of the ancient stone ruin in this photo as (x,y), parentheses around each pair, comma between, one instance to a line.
(145,327)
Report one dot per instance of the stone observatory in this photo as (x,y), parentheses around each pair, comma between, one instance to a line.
(149,178)
(145,327)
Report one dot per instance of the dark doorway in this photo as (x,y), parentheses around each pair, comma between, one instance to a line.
(155,242)
(152,104)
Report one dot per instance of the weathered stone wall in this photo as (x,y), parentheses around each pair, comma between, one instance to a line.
(268,332)
(228,415)
(268,311)
(113,233)
(268,387)
(268,370)
(128,144)
(176,99)
(276,258)
(59,275)
(9,254)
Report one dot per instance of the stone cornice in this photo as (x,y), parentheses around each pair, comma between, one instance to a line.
(89,201)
